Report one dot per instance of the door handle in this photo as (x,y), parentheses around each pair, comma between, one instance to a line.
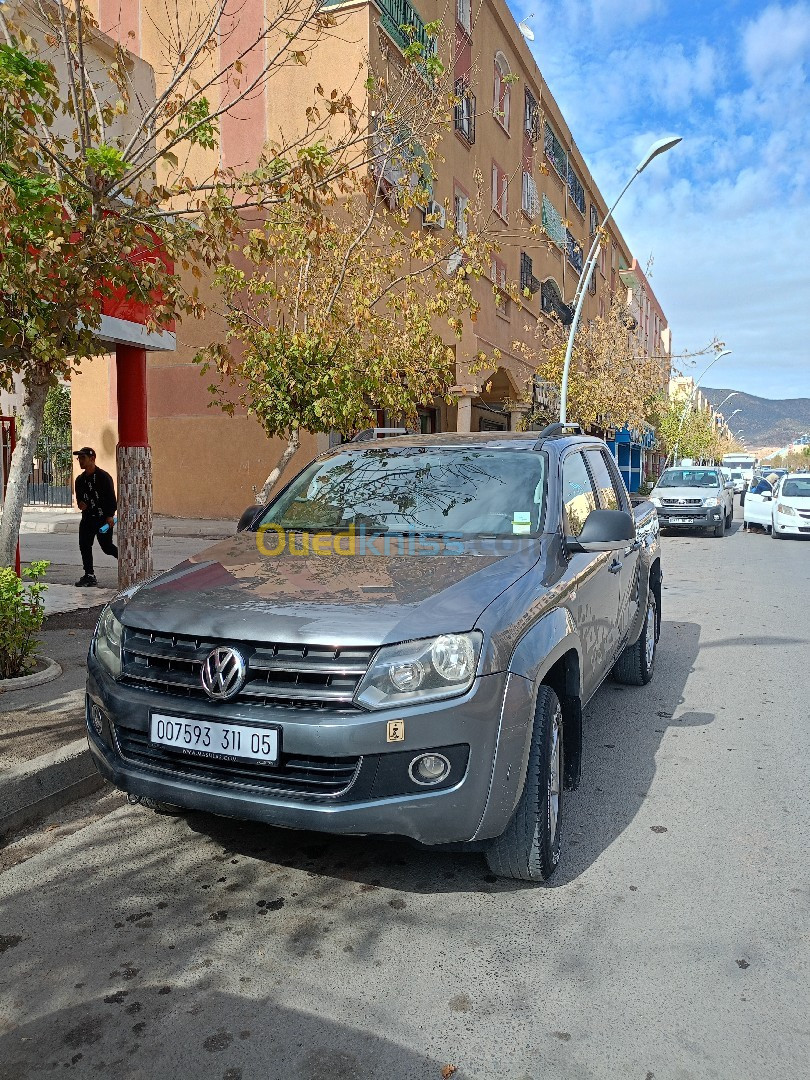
(614,567)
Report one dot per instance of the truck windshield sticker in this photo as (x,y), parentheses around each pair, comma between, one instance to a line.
(521,522)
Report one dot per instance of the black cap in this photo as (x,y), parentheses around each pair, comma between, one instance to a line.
(88,450)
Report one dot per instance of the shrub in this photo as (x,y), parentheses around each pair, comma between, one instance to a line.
(22,610)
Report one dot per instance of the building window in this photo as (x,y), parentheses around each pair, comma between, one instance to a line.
(463,15)
(552,223)
(531,116)
(594,220)
(530,200)
(501,92)
(500,184)
(528,282)
(502,301)
(464,111)
(460,204)
(555,153)
(592,282)
(551,302)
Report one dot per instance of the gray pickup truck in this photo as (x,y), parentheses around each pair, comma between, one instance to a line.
(401,643)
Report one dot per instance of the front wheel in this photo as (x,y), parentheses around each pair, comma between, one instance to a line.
(529,849)
(635,666)
(720,527)
(775,535)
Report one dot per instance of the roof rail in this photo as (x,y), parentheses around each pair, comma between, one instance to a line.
(559,429)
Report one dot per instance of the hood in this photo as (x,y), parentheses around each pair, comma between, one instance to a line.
(232,591)
(684,493)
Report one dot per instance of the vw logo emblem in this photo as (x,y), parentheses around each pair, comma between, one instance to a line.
(223,673)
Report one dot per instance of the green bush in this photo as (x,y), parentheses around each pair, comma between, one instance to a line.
(22,610)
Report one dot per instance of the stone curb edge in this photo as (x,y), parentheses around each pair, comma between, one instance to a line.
(37,678)
(67,527)
(31,791)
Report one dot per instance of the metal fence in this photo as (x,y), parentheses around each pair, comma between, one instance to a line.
(51,480)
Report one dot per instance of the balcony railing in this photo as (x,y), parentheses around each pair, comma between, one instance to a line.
(552,223)
(396,14)
(576,190)
(573,252)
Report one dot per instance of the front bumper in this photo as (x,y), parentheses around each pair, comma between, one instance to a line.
(791,526)
(381,798)
(689,517)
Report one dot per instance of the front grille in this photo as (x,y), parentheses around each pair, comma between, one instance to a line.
(295,676)
(318,776)
(681,502)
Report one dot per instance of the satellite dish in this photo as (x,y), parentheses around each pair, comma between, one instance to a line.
(525,29)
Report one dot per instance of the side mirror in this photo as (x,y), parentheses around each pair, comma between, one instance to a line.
(604,530)
(248,517)
(767,498)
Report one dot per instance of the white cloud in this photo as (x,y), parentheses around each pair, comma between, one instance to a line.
(778,39)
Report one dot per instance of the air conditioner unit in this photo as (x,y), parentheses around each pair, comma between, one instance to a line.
(435,216)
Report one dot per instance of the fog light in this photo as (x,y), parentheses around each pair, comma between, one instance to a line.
(429,769)
(97,718)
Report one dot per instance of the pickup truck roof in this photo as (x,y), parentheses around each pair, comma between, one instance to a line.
(513,440)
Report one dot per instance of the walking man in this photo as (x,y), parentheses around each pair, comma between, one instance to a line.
(95,497)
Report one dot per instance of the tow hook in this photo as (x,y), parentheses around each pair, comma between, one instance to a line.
(153,804)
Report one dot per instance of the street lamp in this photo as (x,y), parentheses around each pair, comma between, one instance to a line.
(688,406)
(732,414)
(728,398)
(657,148)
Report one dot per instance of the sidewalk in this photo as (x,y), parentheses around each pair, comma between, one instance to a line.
(64,519)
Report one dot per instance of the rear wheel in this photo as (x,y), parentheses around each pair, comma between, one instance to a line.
(529,849)
(635,666)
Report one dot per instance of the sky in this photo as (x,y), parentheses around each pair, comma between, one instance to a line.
(725,215)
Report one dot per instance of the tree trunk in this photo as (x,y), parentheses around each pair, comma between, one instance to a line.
(30,420)
(263,496)
(134,464)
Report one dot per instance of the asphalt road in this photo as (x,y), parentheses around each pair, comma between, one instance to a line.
(673,943)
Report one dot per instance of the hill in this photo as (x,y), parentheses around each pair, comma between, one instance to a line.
(763,421)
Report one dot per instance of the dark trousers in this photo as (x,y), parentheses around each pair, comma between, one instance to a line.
(88,532)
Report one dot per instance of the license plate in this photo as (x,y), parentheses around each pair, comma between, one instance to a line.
(682,521)
(208,738)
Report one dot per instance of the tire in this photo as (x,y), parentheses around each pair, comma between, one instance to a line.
(529,848)
(720,528)
(636,664)
(730,518)
(775,535)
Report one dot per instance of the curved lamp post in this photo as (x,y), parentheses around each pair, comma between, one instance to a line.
(688,406)
(655,150)
(728,397)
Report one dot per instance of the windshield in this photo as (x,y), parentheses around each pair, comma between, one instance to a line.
(736,475)
(459,491)
(796,489)
(694,478)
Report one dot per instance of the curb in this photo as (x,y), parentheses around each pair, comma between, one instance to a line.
(30,791)
(68,527)
(36,678)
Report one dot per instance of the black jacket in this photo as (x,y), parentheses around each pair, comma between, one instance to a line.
(98,492)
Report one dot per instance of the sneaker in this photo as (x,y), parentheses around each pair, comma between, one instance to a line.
(87,581)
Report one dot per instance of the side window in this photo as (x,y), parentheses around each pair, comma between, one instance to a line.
(606,490)
(577,494)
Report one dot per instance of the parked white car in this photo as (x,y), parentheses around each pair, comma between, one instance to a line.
(791,506)
(738,480)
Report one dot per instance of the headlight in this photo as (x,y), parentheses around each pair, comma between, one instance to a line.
(783,508)
(109,634)
(655,500)
(425,670)
(711,502)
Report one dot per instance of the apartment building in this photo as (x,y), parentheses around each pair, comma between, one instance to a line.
(507,127)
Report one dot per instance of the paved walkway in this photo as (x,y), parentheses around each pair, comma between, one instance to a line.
(65,519)
(60,598)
